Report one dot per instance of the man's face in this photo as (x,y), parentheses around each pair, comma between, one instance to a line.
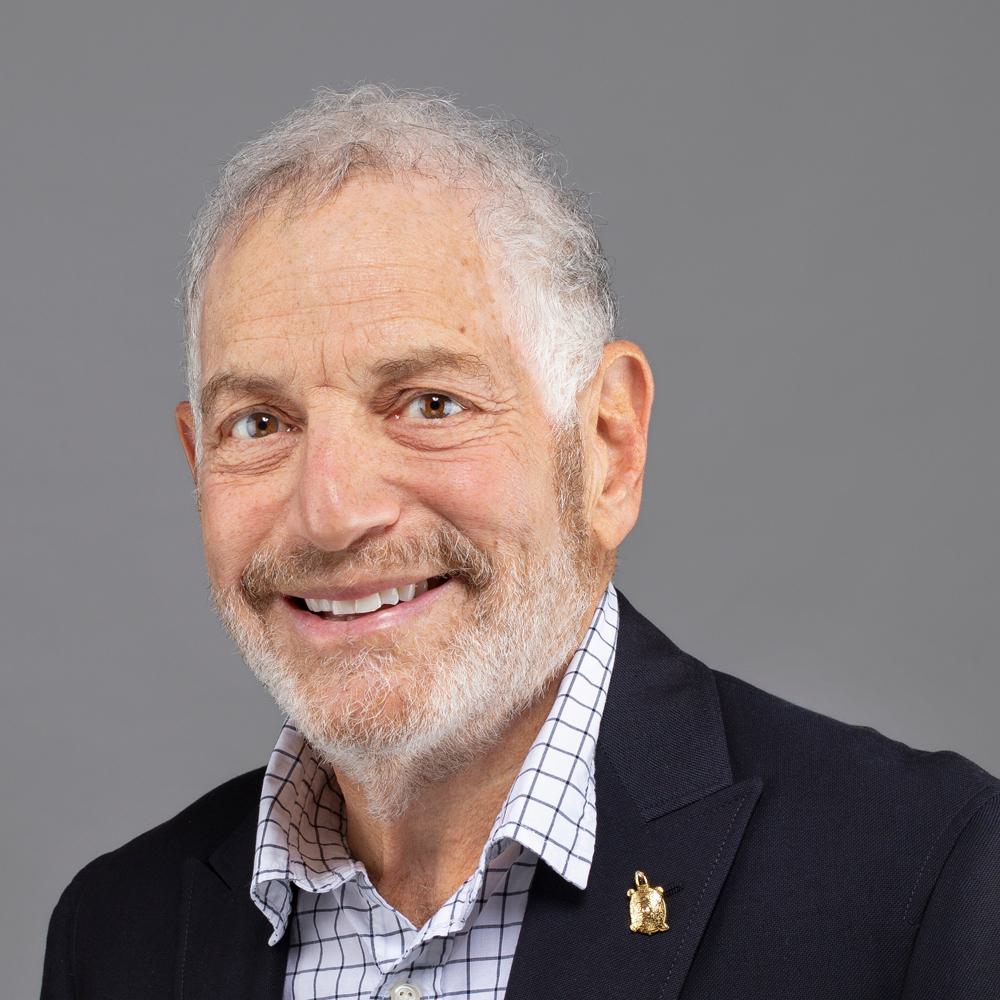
(370,428)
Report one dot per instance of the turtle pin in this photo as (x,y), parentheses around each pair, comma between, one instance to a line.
(647,908)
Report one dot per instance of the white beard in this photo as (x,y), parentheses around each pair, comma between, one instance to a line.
(459,691)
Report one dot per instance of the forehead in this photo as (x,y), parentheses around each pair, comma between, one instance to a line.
(382,265)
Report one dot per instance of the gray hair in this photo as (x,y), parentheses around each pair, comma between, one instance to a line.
(538,229)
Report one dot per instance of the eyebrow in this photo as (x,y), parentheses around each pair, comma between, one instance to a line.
(428,360)
(231,383)
(420,362)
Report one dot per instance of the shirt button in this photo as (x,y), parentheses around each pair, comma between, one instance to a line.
(404,991)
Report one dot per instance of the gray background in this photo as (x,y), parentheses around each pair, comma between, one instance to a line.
(802,209)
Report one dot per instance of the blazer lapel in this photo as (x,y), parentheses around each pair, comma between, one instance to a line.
(667,806)
(223,949)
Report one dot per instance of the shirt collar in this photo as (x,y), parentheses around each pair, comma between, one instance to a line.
(550,808)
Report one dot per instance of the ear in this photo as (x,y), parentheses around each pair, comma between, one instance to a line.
(184,417)
(621,399)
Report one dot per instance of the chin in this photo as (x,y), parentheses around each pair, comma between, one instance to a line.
(362,713)
(377,706)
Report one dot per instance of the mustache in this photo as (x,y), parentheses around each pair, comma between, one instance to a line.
(445,550)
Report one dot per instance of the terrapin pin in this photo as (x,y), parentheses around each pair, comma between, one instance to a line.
(647,907)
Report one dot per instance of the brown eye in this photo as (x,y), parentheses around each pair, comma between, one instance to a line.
(256,425)
(433,406)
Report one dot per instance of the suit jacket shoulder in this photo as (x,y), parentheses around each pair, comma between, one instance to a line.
(817,762)
(890,851)
(118,921)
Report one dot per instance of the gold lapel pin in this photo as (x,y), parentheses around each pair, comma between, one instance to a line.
(647,908)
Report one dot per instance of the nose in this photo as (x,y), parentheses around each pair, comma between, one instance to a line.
(341,493)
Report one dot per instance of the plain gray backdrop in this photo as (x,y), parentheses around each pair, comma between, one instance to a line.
(800,200)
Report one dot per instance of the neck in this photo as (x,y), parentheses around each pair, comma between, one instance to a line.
(417,860)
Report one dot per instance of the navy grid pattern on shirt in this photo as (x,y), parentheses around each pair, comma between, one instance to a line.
(346,942)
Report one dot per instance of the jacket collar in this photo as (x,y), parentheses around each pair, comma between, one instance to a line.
(667,806)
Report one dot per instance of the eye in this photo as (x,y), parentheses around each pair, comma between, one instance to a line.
(432,406)
(258,424)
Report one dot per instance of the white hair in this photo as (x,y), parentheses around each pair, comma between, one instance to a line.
(538,230)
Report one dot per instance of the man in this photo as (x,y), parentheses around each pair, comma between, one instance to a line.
(416,446)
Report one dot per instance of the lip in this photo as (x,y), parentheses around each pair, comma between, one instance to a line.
(322,631)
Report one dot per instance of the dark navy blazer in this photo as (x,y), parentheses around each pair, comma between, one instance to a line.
(801,858)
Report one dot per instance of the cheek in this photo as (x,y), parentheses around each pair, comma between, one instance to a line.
(236,519)
(490,497)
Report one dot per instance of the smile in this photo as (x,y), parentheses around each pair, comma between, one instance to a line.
(347,608)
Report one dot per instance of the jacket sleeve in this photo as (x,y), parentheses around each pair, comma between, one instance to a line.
(956,954)
(57,973)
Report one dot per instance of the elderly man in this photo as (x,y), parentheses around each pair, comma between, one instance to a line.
(416,446)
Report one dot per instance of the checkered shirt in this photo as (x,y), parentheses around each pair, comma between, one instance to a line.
(346,941)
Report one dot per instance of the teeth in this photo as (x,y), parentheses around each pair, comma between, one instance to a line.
(364,605)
